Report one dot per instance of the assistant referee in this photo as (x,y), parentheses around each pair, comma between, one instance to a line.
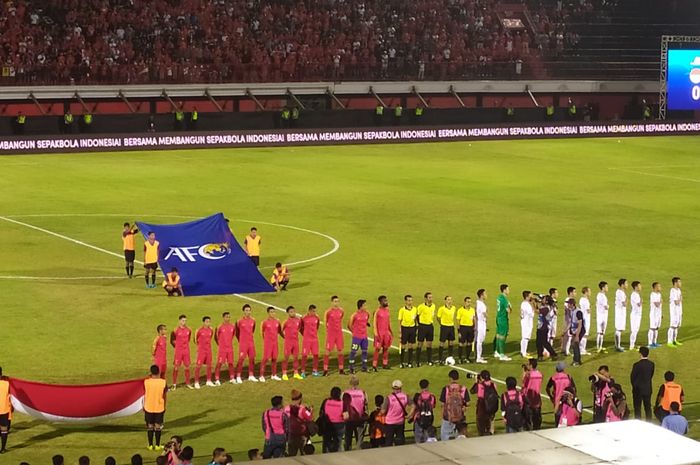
(407,320)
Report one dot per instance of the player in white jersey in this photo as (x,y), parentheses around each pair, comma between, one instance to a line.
(481,316)
(601,315)
(675,305)
(620,312)
(527,317)
(654,315)
(635,312)
(584,303)
(554,294)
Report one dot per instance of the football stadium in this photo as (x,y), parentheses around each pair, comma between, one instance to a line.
(428,231)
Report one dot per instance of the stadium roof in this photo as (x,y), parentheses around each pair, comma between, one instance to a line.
(622,443)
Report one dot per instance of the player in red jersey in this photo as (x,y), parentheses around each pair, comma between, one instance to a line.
(203,338)
(334,334)
(180,339)
(309,330)
(271,329)
(358,324)
(160,350)
(224,339)
(291,329)
(383,335)
(245,331)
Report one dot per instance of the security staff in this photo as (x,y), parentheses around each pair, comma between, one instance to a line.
(295,116)
(285,114)
(68,122)
(549,111)
(194,117)
(87,122)
(20,123)
(179,119)
(572,110)
(378,114)
(418,114)
(398,113)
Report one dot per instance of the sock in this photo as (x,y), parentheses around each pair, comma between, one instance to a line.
(217,372)
(304,359)
(375,357)
(188,380)
(295,365)
(675,334)
(208,373)
(656,336)
(158,433)
(567,348)
(633,340)
(353,354)
(3,438)
(430,354)
(441,352)
(315,361)
(403,350)
(150,437)
(450,351)
(146,278)
(523,347)
(599,341)
(479,349)
(274,367)
(197,369)
(385,357)
(231,371)
(364,359)
(468,347)
(175,370)
(341,361)
(262,367)
(670,335)
(460,351)
(127,270)
(618,336)
(153,279)
(285,365)
(131,270)
(410,356)
(325,362)
(650,337)
(584,340)
(418,351)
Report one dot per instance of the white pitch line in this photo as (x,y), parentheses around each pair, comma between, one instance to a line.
(643,173)
(240,296)
(334,241)
(54,278)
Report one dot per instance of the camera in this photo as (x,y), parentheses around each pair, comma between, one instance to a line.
(594,378)
(471,376)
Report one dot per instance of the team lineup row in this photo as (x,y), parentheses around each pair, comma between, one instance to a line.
(467,326)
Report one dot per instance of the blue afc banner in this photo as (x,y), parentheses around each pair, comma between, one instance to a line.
(683,85)
(207,256)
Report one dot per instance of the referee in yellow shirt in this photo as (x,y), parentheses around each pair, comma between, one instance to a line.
(466,317)
(252,246)
(426,331)
(407,320)
(446,318)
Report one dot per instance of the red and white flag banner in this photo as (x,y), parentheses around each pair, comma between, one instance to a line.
(75,403)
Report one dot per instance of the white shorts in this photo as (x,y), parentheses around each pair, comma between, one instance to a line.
(601,322)
(553,328)
(480,332)
(635,322)
(654,319)
(587,323)
(676,317)
(620,319)
(526,328)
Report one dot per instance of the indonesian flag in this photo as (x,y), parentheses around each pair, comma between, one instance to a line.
(89,403)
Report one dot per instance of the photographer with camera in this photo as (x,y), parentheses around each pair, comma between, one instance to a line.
(544,320)
(569,409)
(615,405)
(486,402)
(558,383)
(172,450)
(600,386)
(531,389)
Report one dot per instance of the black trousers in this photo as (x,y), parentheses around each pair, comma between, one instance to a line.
(542,342)
(394,435)
(638,399)
(533,418)
(576,348)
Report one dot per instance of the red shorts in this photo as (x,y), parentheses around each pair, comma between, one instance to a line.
(204,358)
(246,350)
(334,342)
(310,347)
(383,341)
(182,358)
(291,349)
(225,356)
(270,351)
(162,364)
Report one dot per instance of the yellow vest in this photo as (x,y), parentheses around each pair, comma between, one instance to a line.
(672,393)
(151,254)
(252,245)
(4,397)
(154,398)
(171,280)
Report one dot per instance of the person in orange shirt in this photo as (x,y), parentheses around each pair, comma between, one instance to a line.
(5,412)
(150,259)
(172,283)
(129,250)
(155,390)
(252,245)
(280,277)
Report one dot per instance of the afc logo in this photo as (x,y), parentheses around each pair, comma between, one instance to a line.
(207,251)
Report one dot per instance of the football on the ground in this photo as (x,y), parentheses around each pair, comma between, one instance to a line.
(450,361)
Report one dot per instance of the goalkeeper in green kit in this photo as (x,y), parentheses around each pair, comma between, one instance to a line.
(502,323)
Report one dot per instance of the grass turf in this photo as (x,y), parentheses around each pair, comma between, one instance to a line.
(450,218)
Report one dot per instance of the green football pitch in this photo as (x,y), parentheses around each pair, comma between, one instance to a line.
(449,218)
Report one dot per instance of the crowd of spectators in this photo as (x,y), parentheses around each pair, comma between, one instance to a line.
(141,41)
